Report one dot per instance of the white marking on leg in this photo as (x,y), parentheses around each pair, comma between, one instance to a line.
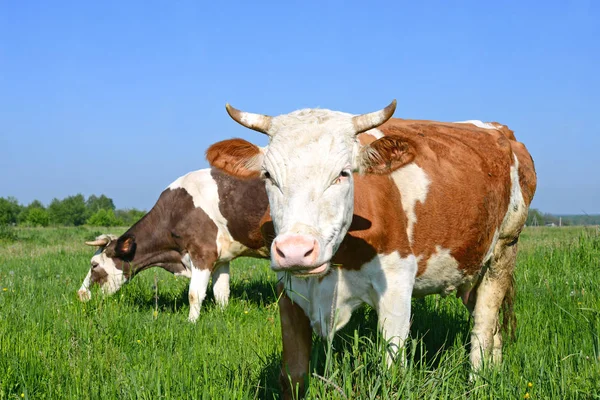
(413,184)
(197,291)
(221,284)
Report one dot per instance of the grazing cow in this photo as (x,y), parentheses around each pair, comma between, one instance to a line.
(438,208)
(199,224)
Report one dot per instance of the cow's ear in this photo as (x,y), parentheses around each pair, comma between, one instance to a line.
(125,247)
(236,157)
(385,155)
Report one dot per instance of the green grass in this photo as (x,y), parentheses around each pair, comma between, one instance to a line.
(54,347)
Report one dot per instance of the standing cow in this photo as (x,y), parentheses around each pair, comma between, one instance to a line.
(439,209)
(199,224)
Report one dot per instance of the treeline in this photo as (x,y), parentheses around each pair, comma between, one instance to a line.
(537,218)
(70,211)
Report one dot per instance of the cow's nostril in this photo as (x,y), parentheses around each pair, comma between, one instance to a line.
(308,253)
(279,252)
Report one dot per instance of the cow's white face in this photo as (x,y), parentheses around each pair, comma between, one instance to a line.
(307,167)
(105,270)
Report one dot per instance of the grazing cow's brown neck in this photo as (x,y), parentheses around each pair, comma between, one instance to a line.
(156,234)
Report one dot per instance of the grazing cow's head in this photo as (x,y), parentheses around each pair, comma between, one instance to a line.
(110,265)
(307,167)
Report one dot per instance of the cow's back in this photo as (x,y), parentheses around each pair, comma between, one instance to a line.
(457,191)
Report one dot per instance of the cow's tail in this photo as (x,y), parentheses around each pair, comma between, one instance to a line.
(509,318)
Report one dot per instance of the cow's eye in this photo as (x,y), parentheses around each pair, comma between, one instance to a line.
(94,264)
(341,176)
(266,175)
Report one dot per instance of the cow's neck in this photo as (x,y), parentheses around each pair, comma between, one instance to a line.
(155,246)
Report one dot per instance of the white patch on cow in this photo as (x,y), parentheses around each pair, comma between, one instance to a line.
(517,209)
(413,184)
(197,291)
(490,252)
(441,275)
(221,284)
(115,277)
(480,124)
(376,133)
(204,191)
(385,283)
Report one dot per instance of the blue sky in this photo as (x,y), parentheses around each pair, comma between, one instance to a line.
(121,98)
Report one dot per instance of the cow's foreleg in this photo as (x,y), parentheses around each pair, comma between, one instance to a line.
(486,339)
(221,284)
(197,291)
(84,292)
(393,306)
(296,334)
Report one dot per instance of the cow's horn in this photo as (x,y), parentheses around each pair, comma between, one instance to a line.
(372,120)
(99,242)
(257,122)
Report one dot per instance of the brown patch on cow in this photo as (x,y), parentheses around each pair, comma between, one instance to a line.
(378,224)
(99,275)
(171,228)
(243,203)
(366,138)
(236,157)
(386,155)
(509,133)
(469,191)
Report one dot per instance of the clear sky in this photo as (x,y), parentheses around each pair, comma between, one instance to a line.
(122,97)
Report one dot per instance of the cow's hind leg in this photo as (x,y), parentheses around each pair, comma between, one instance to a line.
(495,288)
(221,284)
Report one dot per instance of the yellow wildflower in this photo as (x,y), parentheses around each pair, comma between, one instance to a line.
(155,313)
(22,394)
(530,385)
(526,396)
(139,341)
(4,289)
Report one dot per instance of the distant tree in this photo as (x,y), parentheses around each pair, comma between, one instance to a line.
(129,216)
(25,211)
(70,211)
(37,217)
(104,217)
(535,217)
(95,203)
(9,210)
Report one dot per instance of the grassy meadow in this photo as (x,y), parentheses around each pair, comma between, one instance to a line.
(138,343)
